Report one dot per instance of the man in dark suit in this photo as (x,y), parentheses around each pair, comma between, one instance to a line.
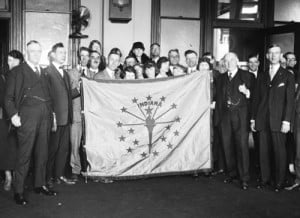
(174,58)
(113,62)
(273,104)
(28,104)
(61,93)
(253,64)
(231,116)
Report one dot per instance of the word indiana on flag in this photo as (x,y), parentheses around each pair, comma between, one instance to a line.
(147,127)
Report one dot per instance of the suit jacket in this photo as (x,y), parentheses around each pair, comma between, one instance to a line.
(61,94)
(104,75)
(2,94)
(273,101)
(19,80)
(75,76)
(241,77)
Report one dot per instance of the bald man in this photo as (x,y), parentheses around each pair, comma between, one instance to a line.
(233,91)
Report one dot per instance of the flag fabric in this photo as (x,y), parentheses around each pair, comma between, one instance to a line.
(147,127)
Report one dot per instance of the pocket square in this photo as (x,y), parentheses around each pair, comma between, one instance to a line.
(281,84)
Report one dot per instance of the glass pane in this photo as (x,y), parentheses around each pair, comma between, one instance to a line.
(180,34)
(241,10)
(287,10)
(3,5)
(180,8)
(239,40)
(285,40)
(49,5)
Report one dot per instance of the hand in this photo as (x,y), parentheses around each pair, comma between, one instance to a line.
(213,105)
(285,127)
(54,124)
(16,120)
(252,126)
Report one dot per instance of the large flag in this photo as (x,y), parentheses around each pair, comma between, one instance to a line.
(147,127)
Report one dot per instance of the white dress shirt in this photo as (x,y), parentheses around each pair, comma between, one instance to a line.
(33,67)
(273,70)
(58,67)
(111,73)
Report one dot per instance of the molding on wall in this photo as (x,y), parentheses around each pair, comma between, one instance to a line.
(16,25)
(155,21)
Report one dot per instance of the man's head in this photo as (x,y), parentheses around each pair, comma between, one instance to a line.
(274,54)
(95,59)
(59,53)
(155,50)
(34,52)
(210,56)
(113,60)
(291,59)
(231,61)
(174,57)
(253,62)
(83,56)
(191,58)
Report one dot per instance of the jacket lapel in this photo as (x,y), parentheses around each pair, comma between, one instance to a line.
(277,77)
(57,74)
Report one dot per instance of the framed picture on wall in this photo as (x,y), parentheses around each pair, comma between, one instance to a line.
(48,29)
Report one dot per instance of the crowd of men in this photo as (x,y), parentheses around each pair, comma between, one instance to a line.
(43,109)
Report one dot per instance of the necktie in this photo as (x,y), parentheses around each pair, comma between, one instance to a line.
(37,72)
(230,76)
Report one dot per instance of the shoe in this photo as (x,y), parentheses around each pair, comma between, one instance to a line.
(75,177)
(228,180)
(106,180)
(19,199)
(216,172)
(290,188)
(45,191)
(262,185)
(64,180)
(7,185)
(278,188)
(245,186)
(50,183)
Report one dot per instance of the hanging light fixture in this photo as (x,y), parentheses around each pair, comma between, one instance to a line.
(121,3)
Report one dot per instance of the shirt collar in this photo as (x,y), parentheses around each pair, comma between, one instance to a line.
(110,72)
(233,72)
(58,67)
(275,67)
(33,67)
(254,73)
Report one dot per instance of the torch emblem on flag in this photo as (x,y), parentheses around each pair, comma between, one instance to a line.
(148,114)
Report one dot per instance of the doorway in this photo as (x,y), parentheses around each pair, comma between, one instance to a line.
(4,44)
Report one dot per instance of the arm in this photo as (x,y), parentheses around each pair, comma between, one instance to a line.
(11,95)
(289,96)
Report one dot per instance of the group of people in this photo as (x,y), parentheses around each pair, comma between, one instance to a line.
(40,111)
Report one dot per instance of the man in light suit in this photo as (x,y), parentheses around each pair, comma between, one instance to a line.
(273,105)
(76,127)
(62,94)
(109,72)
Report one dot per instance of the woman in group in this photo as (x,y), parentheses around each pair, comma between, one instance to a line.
(163,65)
(150,70)
(95,45)
(139,71)
(8,137)
(129,73)
(137,51)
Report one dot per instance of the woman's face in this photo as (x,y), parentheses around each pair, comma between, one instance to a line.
(165,67)
(12,62)
(139,72)
(96,47)
(138,52)
(150,72)
(129,75)
(203,66)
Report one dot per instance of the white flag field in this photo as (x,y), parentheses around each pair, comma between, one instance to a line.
(147,127)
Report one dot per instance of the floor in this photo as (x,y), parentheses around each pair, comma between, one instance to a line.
(176,196)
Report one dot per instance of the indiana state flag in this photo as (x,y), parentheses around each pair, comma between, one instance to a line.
(147,127)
